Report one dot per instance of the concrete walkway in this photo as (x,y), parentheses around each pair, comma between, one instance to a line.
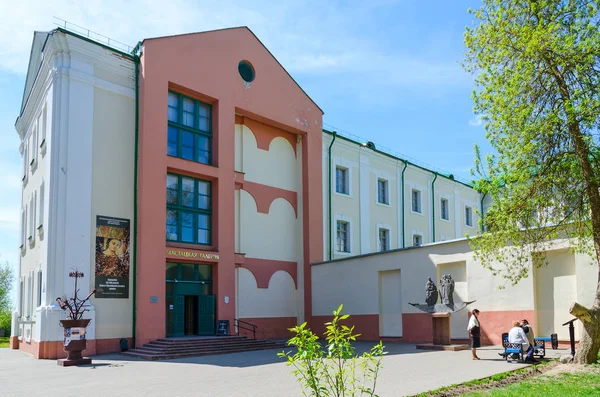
(407,371)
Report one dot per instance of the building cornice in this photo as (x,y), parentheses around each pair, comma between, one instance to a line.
(66,54)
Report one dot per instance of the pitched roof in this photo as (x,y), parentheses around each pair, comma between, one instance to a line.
(256,37)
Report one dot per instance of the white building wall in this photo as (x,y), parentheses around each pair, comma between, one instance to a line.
(360,206)
(344,207)
(278,300)
(113,194)
(276,235)
(83,108)
(355,283)
(33,260)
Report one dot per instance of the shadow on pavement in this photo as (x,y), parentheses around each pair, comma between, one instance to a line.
(262,357)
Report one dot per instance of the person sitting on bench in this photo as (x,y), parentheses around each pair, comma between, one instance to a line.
(529,332)
(517,335)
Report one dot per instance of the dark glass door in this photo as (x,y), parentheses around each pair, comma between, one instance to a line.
(190,305)
(190,321)
(206,315)
(179,315)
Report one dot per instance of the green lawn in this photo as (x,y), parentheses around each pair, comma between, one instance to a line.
(562,385)
(4,342)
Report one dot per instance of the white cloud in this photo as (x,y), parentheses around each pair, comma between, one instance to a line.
(476,121)
(306,37)
(9,219)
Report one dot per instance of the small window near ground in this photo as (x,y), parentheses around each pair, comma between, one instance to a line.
(343,237)
(39,288)
(384,239)
(417,240)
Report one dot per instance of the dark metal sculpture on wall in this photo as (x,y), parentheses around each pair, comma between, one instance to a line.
(432,293)
(446,293)
(447,290)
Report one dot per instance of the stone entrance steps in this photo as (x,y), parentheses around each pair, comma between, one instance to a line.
(169,348)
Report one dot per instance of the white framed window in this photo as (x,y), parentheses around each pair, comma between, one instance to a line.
(343,236)
(39,288)
(416,201)
(31,219)
(417,240)
(342,180)
(383,239)
(42,125)
(23,225)
(444,209)
(22,297)
(30,295)
(383,191)
(40,216)
(35,211)
(33,146)
(25,161)
(468,216)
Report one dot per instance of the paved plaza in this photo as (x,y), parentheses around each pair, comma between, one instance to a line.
(407,371)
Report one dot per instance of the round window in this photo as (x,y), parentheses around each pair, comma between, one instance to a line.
(246,71)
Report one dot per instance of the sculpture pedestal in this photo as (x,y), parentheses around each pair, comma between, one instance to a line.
(441,328)
(441,334)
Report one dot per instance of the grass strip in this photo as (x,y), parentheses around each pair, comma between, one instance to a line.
(489,382)
(581,383)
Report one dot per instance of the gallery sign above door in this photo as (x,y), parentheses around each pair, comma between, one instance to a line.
(188,254)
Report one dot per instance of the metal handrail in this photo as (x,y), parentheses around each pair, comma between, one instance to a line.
(90,34)
(250,326)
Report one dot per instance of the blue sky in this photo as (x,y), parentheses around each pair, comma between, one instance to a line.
(385,70)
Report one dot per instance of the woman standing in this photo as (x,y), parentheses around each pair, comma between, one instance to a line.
(475,331)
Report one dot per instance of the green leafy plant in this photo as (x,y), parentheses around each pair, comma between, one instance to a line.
(537,73)
(5,319)
(333,368)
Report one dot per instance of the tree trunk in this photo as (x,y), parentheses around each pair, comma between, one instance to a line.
(589,343)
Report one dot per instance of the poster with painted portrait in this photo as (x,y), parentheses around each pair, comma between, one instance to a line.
(112,257)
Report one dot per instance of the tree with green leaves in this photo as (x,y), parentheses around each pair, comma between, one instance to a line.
(333,369)
(537,76)
(7,278)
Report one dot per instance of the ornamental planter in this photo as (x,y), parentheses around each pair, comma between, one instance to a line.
(74,342)
(75,327)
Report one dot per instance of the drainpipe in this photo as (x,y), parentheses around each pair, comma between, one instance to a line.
(330,217)
(482,198)
(136,60)
(433,205)
(403,209)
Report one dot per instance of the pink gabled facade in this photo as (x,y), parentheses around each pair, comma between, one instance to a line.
(204,67)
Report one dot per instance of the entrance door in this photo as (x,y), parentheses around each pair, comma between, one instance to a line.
(390,303)
(206,315)
(190,305)
(179,315)
(190,316)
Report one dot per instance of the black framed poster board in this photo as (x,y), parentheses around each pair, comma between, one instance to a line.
(223,327)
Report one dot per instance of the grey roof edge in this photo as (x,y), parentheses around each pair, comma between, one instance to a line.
(399,158)
(428,245)
(29,77)
(26,91)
